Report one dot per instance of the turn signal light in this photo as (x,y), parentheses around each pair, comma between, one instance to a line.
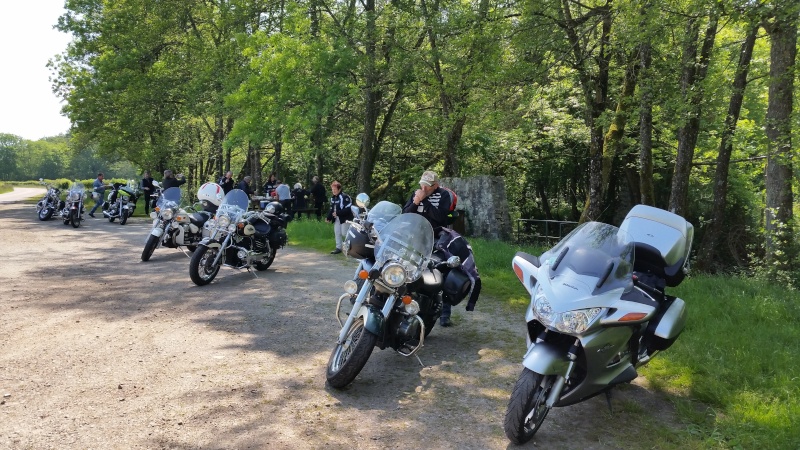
(406,299)
(632,317)
(518,271)
(363,274)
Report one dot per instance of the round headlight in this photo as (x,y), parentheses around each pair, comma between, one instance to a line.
(232,228)
(351,287)
(167,214)
(224,221)
(394,275)
(412,308)
(153,215)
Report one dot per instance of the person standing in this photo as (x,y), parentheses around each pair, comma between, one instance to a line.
(271,185)
(339,214)
(171,180)
(299,199)
(432,202)
(100,189)
(226,182)
(245,186)
(318,194)
(147,191)
(284,194)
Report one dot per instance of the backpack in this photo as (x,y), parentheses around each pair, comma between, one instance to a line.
(452,214)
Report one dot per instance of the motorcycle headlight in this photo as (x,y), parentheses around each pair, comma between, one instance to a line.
(569,322)
(167,214)
(223,221)
(394,275)
(412,308)
(351,287)
(232,228)
(153,215)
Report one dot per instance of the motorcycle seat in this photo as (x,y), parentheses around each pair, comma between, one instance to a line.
(198,218)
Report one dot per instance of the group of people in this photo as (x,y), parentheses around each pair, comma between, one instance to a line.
(293,200)
(148,188)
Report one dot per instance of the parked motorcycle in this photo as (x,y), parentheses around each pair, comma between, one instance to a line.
(398,295)
(177,227)
(239,238)
(598,311)
(72,211)
(121,202)
(50,203)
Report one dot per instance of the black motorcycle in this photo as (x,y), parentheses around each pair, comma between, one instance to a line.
(50,203)
(121,202)
(72,211)
(239,238)
(398,293)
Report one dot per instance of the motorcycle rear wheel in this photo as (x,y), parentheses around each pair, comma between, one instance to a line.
(45,213)
(123,219)
(265,265)
(199,266)
(527,406)
(149,247)
(348,359)
(75,218)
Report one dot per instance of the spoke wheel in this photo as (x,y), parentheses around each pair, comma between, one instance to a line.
(349,358)
(527,408)
(149,247)
(46,212)
(123,218)
(202,269)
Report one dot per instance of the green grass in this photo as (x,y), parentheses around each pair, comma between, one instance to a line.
(734,374)
(6,187)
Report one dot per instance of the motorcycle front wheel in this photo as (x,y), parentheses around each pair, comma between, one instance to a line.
(75,218)
(201,267)
(349,358)
(527,407)
(123,219)
(45,213)
(149,247)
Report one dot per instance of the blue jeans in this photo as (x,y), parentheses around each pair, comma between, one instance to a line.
(446,309)
(97,204)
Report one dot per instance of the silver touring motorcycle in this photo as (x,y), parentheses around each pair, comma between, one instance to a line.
(598,311)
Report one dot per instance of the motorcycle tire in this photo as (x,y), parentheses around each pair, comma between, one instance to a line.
(123,219)
(265,265)
(111,218)
(527,406)
(191,248)
(149,247)
(348,359)
(199,270)
(75,218)
(45,213)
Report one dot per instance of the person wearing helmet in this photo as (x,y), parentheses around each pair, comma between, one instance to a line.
(299,199)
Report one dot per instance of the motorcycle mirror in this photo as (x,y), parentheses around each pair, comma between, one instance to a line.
(362,200)
(41,179)
(453,261)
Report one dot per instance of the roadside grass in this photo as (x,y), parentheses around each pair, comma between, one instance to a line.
(733,375)
(6,187)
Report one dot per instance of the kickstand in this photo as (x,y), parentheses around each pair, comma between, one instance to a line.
(252,273)
(608,400)
(420,361)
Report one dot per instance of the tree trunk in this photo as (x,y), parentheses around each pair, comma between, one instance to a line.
(783,51)
(708,255)
(694,73)
(372,99)
(647,192)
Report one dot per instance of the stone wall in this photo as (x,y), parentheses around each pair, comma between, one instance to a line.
(483,206)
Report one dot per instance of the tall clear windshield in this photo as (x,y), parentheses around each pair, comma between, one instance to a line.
(234,205)
(171,198)
(408,240)
(77,187)
(597,250)
(382,214)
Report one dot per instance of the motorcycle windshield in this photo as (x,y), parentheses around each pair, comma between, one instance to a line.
(601,254)
(77,187)
(234,205)
(382,214)
(170,198)
(407,240)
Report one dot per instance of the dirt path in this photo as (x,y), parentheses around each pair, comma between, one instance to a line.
(101,350)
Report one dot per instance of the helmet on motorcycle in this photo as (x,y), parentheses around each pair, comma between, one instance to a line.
(274,208)
(211,192)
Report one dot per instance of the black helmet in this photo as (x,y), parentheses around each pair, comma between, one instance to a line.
(456,286)
(358,244)
(274,208)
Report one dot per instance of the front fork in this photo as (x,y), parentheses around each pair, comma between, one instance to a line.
(561,380)
(222,246)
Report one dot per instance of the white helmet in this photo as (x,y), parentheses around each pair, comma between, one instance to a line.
(211,192)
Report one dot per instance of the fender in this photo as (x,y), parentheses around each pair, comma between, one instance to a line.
(373,319)
(544,358)
(210,243)
(158,230)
